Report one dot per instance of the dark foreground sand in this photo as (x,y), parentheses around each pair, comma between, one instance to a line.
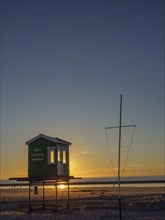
(86,203)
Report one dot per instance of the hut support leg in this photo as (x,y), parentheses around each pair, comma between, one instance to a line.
(29,197)
(68,194)
(56,196)
(43,198)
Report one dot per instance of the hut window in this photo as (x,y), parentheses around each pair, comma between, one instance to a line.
(59,154)
(51,155)
(65,156)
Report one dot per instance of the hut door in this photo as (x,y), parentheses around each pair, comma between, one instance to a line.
(60,170)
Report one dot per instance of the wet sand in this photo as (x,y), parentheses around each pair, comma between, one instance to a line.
(98,203)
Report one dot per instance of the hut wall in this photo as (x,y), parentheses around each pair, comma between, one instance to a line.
(38,159)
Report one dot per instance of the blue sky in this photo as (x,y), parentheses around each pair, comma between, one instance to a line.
(64,65)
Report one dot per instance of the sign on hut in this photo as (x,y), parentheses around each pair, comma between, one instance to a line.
(48,157)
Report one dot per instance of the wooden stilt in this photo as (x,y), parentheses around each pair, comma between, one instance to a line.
(56,196)
(29,197)
(41,182)
(43,198)
(68,194)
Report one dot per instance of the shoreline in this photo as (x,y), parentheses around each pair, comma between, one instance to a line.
(123,182)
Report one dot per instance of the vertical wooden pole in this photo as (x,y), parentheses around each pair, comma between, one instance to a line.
(68,194)
(120,121)
(43,198)
(56,195)
(29,197)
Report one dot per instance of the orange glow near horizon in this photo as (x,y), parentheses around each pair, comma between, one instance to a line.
(145,171)
(132,170)
(86,165)
(106,173)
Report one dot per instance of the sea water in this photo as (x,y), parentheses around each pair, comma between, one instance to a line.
(127,178)
(95,180)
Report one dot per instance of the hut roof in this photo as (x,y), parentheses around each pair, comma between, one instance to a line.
(55,140)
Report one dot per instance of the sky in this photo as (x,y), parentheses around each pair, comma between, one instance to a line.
(64,65)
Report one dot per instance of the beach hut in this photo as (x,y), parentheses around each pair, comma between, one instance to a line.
(48,157)
(48,164)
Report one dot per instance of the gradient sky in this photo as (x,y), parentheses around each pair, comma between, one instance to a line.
(64,65)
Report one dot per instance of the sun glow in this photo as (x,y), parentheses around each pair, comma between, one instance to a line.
(61,186)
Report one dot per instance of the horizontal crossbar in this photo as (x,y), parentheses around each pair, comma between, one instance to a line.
(123,126)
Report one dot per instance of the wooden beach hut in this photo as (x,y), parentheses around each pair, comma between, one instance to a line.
(48,164)
(48,157)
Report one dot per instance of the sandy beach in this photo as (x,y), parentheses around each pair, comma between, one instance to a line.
(85,203)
